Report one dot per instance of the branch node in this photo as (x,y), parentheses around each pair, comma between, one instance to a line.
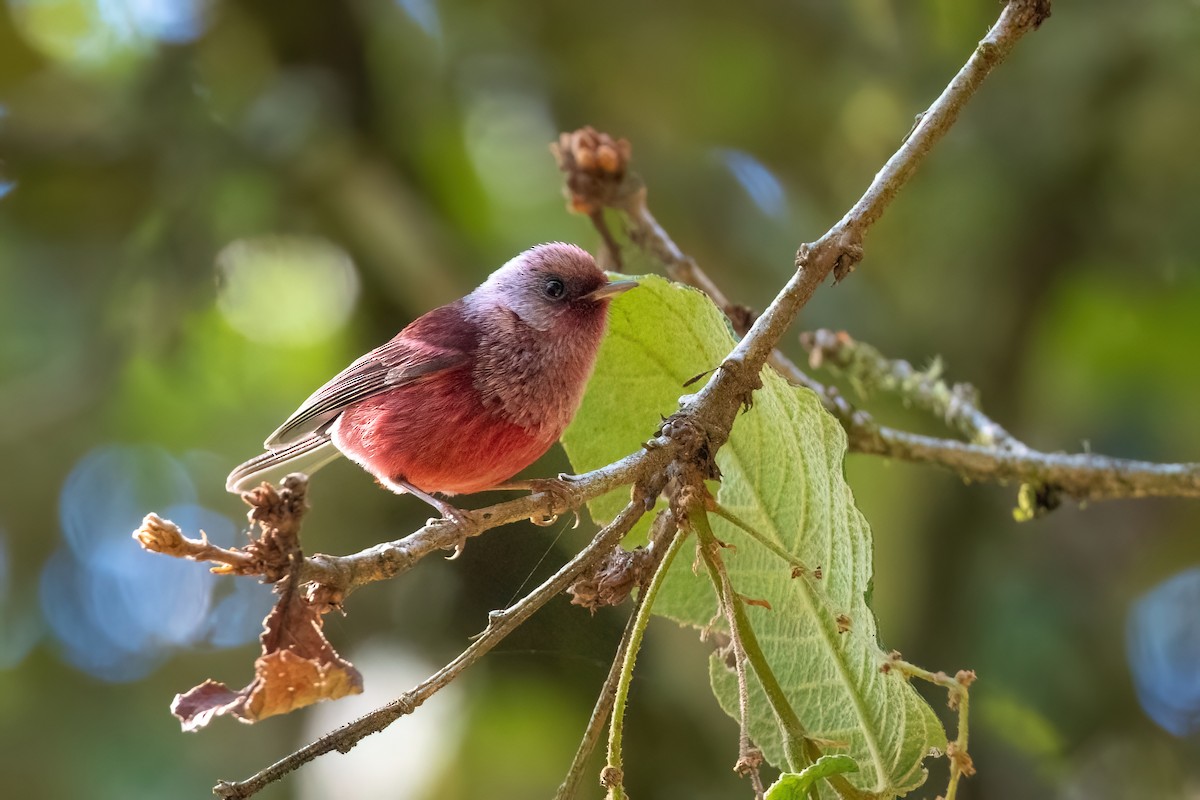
(611,777)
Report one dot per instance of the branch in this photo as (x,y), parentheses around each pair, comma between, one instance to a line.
(841,247)
(1080,476)
(500,624)
(612,777)
(594,185)
(868,370)
(343,574)
(994,455)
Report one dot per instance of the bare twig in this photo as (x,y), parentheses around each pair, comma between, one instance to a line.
(613,776)
(500,624)
(1081,476)
(662,535)
(160,535)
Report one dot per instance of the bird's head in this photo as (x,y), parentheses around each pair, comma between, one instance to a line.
(551,286)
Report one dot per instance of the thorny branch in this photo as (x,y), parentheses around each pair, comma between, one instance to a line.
(695,433)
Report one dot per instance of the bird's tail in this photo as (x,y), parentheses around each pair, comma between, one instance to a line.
(304,455)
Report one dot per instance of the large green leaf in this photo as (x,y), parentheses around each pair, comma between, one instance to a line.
(783,475)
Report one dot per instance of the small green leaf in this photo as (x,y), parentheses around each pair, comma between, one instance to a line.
(795,785)
(783,475)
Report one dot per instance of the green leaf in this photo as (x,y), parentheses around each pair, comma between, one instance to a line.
(795,785)
(783,475)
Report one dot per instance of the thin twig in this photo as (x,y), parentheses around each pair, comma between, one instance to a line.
(612,777)
(600,712)
(500,624)
(750,758)
(664,522)
(869,370)
(163,536)
(1080,476)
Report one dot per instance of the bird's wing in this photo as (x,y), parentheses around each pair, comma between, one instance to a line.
(408,358)
(307,454)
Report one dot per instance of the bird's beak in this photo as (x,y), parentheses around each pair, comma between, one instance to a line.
(610,289)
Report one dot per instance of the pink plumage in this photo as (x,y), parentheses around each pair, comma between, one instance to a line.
(467,395)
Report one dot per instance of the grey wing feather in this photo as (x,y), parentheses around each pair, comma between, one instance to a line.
(385,368)
(307,455)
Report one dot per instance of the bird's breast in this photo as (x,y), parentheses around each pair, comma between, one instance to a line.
(439,435)
(536,378)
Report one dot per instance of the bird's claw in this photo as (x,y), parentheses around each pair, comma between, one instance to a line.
(560,492)
(461,522)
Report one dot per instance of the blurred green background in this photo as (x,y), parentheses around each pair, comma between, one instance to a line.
(208,207)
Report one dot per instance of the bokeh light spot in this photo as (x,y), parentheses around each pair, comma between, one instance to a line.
(286,290)
(763,188)
(113,487)
(408,764)
(506,131)
(1162,638)
(425,14)
(117,610)
(165,20)
(98,34)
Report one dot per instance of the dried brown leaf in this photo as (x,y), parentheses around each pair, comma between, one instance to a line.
(298,665)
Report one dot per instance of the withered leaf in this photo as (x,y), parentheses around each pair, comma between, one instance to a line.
(298,667)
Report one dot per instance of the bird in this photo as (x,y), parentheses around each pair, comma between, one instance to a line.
(468,394)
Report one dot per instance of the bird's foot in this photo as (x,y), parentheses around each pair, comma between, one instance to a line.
(461,521)
(463,524)
(560,493)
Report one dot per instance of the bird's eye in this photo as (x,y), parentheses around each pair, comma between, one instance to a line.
(554,288)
